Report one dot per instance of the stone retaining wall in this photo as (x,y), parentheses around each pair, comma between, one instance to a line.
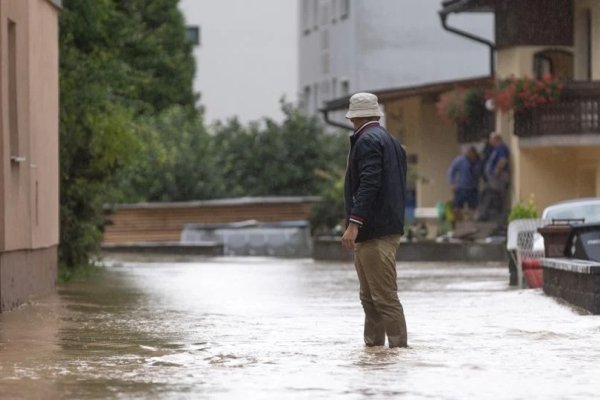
(329,249)
(575,281)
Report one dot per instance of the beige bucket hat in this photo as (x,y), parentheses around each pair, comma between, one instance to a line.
(363,105)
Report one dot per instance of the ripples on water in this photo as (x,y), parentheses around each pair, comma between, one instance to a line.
(277,329)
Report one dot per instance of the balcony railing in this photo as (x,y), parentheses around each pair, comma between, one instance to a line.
(576,113)
(477,129)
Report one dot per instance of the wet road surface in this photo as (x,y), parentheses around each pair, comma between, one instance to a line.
(285,329)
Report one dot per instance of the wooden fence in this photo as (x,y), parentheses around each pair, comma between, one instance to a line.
(163,222)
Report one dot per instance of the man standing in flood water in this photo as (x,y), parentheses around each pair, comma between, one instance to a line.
(374,194)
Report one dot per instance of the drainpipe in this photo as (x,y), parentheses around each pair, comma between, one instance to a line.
(491,45)
(328,121)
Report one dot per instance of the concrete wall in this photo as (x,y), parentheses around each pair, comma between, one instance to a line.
(29,175)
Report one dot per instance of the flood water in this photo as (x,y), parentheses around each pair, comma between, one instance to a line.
(292,329)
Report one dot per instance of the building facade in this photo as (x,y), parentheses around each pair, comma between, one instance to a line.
(29,168)
(555,148)
(346,46)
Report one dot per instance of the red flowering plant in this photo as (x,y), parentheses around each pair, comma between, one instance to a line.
(461,106)
(520,94)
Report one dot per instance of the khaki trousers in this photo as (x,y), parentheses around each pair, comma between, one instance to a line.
(375,262)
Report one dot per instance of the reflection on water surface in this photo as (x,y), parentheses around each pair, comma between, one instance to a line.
(276,329)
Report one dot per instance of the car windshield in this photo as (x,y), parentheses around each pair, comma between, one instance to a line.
(588,212)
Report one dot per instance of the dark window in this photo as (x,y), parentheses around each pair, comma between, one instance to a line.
(345,9)
(306,17)
(557,62)
(588,44)
(193,34)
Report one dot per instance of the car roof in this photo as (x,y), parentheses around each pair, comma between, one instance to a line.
(587,200)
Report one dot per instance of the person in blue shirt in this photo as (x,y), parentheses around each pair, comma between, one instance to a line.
(498,176)
(463,176)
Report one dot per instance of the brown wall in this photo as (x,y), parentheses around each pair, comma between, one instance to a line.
(534,23)
(164,223)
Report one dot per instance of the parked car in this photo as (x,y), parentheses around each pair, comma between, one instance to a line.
(526,246)
(583,210)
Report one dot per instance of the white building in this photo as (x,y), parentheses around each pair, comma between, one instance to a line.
(346,46)
(246,57)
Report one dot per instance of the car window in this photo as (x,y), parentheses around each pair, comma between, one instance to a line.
(589,212)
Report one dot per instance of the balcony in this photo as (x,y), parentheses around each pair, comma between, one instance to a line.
(478,129)
(576,113)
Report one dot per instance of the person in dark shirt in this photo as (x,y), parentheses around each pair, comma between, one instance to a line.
(375,197)
(463,176)
(497,175)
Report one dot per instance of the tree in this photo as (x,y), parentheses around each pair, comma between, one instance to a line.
(107,89)
(277,158)
(176,161)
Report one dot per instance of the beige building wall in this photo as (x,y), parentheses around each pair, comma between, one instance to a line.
(439,147)
(550,173)
(44,125)
(14,43)
(29,93)
(29,154)
(427,140)
(553,174)
(581,39)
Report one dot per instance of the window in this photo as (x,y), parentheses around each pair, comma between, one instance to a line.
(316,97)
(306,16)
(193,34)
(326,64)
(306,99)
(325,40)
(13,112)
(334,11)
(588,44)
(345,9)
(334,88)
(315,14)
(325,11)
(345,87)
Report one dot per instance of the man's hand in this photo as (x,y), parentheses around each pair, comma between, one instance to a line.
(350,236)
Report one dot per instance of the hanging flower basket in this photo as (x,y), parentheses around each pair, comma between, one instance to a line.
(522,94)
(462,106)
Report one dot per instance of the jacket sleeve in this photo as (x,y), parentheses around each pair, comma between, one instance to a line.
(452,172)
(370,169)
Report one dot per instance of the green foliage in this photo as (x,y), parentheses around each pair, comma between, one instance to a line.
(328,215)
(462,106)
(524,210)
(277,158)
(176,161)
(107,88)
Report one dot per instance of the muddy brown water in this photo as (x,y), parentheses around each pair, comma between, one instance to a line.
(291,329)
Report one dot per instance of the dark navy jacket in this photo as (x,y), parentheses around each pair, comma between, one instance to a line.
(374,190)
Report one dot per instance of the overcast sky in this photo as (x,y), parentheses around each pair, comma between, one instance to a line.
(248,56)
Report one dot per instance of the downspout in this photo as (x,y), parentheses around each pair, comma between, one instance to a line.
(491,45)
(328,121)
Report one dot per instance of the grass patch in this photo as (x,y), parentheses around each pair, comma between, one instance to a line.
(77,274)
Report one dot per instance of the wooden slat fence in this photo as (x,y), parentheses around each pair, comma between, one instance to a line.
(163,222)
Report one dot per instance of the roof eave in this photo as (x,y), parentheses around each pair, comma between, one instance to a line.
(459,6)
